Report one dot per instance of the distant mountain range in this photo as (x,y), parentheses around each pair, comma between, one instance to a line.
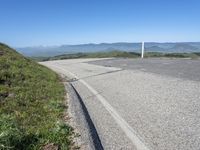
(184,47)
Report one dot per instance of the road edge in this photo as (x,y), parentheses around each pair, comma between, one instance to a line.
(87,138)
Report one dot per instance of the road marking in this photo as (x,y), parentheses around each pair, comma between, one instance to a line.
(128,130)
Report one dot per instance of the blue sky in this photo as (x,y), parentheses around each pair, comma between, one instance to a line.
(55,22)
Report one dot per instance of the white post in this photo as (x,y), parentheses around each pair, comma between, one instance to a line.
(142,54)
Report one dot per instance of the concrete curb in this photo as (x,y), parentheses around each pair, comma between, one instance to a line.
(81,121)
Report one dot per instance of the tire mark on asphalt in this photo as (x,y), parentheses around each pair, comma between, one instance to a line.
(76,79)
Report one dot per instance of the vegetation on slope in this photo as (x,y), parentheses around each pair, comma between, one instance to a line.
(118,54)
(173,55)
(31,105)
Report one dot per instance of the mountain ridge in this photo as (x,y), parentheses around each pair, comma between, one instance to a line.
(166,47)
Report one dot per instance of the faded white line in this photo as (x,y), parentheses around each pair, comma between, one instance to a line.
(130,133)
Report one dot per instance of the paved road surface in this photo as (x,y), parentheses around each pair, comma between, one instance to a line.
(139,104)
(179,68)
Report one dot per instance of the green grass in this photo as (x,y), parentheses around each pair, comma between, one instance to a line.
(31,105)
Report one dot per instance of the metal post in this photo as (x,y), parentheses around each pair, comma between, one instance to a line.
(142,54)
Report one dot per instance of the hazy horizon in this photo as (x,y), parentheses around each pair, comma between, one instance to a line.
(103,43)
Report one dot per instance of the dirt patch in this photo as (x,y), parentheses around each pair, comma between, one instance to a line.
(3,95)
(51,146)
(1,53)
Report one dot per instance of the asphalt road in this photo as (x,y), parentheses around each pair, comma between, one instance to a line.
(179,68)
(139,104)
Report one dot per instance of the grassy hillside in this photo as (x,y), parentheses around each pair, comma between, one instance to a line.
(116,54)
(31,105)
(173,55)
(119,54)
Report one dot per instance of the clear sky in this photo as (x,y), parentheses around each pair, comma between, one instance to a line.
(55,22)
